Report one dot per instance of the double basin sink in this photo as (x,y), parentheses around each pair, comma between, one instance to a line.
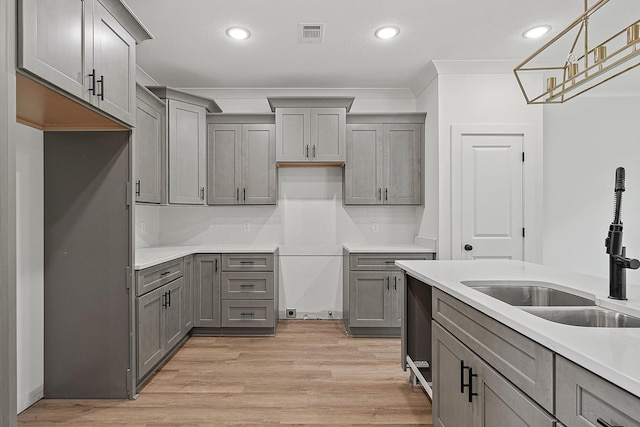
(551,304)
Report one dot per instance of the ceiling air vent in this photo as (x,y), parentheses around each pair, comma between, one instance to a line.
(310,33)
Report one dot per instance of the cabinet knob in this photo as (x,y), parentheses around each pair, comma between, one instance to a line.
(468,247)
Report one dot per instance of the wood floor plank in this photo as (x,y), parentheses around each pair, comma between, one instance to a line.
(310,373)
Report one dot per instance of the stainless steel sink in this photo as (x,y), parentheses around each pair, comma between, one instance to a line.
(528,294)
(595,317)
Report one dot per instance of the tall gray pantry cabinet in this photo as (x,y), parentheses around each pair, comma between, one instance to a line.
(76,69)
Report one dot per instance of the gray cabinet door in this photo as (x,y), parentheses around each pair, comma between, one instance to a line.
(401,169)
(293,137)
(173,313)
(363,168)
(451,360)
(187,149)
(114,51)
(223,160)
(150,329)
(502,404)
(206,298)
(149,142)
(327,133)
(369,298)
(187,295)
(53,36)
(583,397)
(258,164)
(395,293)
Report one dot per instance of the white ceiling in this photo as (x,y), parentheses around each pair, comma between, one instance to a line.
(191,49)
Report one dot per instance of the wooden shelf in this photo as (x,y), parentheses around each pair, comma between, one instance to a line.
(43,108)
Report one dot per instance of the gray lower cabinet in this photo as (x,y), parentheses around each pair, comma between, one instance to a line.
(149,147)
(374,298)
(373,292)
(206,298)
(159,324)
(241,164)
(469,392)
(383,164)
(583,399)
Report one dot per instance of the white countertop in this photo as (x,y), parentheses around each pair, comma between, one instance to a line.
(360,248)
(148,257)
(612,353)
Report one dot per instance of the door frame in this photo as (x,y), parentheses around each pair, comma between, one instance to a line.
(532,211)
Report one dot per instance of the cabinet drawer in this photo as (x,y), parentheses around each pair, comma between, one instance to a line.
(522,361)
(582,397)
(238,313)
(382,261)
(247,262)
(158,275)
(247,285)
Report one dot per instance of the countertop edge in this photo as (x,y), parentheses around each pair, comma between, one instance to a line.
(533,328)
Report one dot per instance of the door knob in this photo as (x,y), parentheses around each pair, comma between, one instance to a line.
(468,247)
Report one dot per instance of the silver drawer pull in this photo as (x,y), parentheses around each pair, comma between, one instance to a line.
(247,314)
(247,285)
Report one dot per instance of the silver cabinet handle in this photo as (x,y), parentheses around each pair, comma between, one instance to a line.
(138,188)
(201,193)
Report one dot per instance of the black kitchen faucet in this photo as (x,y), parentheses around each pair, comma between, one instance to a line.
(618,262)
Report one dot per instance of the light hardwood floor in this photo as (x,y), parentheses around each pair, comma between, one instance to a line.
(311,373)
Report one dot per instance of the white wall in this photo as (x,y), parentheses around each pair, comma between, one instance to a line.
(30,264)
(309,223)
(586,139)
(464,97)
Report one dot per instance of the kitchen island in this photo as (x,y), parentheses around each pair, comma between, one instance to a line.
(552,365)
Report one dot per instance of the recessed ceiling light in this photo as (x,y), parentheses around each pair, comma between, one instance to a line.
(388,32)
(535,32)
(238,33)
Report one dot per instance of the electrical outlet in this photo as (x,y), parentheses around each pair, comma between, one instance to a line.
(374,227)
(291,313)
(246,227)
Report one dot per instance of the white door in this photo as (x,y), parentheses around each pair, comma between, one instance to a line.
(491,202)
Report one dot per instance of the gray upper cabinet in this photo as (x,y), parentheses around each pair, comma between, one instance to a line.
(186,116)
(187,150)
(363,175)
(384,160)
(310,134)
(149,147)
(241,164)
(86,48)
